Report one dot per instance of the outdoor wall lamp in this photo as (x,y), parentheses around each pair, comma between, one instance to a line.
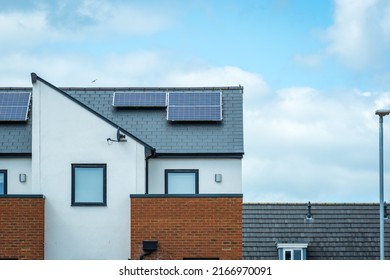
(218,178)
(22,178)
(120,137)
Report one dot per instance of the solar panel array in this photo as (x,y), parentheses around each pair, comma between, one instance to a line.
(14,106)
(139,99)
(182,106)
(195,106)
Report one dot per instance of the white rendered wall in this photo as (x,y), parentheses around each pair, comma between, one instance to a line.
(229,168)
(14,167)
(65,133)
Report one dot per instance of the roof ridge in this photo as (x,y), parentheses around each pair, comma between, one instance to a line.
(155,88)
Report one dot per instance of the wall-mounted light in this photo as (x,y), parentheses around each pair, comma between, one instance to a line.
(120,137)
(218,178)
(22,178)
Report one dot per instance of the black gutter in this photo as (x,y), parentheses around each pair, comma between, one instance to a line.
(15,155)
(200,155)
(199,195)
(22,196)
(152,154)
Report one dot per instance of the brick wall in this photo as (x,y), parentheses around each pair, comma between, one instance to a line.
(187,226)
(22,227)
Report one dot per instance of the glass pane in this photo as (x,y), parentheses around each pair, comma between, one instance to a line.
(89,185)
(287,255)
(181,183)
(2,183)
(297,255)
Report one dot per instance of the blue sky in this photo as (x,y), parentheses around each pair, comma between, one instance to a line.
(313,72)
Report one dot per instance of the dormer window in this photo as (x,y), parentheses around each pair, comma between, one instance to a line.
(292,251)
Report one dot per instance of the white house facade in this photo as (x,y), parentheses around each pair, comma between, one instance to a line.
(66,135)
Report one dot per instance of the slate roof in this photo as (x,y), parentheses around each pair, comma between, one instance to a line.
(150,124)
(15,137)
(337,231)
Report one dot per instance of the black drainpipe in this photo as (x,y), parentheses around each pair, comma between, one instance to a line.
(152,154)
(147,253)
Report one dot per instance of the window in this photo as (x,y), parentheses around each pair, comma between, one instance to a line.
(292,254)
(292,251)
(181,181)
(89,185)
(3,182)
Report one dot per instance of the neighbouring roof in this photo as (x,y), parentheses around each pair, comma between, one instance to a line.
(150,124)
(336,231)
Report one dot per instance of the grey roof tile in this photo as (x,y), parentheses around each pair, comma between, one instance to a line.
(337,231)
(15,137)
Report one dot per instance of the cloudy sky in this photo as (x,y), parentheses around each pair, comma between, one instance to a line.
(313,72)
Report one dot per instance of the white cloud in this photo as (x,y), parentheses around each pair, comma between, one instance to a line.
(309,60)
(81,21)
(303,144)
(360,34)
(73,69)
(121,18)
(255,88)
(383,101)
(19,29)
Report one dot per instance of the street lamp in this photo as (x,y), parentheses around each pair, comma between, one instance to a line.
(381,113)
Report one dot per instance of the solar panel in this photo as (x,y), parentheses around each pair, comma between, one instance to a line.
(14,106)
(195,106)
(139,99)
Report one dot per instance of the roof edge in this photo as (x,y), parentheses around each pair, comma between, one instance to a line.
(312,203)
(15,88)
(15,155)
(35,78)
(200,155)
(203,195)
(22,196)
(156,88)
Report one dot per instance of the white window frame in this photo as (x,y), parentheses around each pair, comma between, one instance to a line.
(291,247)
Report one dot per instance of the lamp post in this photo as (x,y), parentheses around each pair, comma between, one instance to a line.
(381,113)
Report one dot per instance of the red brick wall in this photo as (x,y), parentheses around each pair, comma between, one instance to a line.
(22,227)
(187,227)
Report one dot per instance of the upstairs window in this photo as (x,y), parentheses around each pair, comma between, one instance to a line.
(89,185)
(3,182)
(292,251)
(181,181)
